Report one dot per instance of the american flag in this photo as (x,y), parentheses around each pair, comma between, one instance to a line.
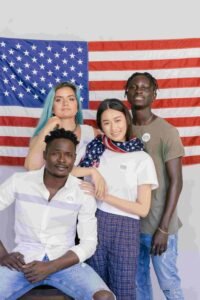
(29,68)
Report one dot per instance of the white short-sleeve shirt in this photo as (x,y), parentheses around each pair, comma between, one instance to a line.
(123,173)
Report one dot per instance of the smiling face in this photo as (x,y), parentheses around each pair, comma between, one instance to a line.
(114,125)
(59,157)
(140,92)
(65,103)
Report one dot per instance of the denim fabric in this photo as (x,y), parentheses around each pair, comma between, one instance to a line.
(79,281)
(164,267)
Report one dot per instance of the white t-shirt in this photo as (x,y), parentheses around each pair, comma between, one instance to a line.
(87,134)
(123,173)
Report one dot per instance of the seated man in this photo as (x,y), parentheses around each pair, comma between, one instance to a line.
(48,203)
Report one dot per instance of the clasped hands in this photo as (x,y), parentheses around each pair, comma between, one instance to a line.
(34,271)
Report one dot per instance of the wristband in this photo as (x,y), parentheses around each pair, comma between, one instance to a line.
(164,232)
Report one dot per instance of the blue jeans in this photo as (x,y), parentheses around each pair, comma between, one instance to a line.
(79,281)
(164,267)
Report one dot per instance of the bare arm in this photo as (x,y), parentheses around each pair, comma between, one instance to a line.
(140,207)
(174,171)
(34,159)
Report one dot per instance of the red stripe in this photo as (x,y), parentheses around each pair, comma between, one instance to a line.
(144,45)
(191,140)
(191,160)
(18,121)
(184,122)
(14,141)
(159,103)
(144,64)
(162,83)
(11,161)
(19,161)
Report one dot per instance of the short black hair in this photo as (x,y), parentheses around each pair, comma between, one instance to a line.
(152,80)
(61,133)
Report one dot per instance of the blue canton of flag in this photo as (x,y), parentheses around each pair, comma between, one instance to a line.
(30,68)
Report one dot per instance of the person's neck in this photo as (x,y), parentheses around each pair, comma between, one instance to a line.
(53,183)
(69,124)
(142,117)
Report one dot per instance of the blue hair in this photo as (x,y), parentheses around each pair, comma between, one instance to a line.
(48,106)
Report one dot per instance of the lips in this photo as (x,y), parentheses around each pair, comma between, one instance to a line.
(61,167)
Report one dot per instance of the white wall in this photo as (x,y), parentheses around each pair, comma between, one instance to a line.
(109,20)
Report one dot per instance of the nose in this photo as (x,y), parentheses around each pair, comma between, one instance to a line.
(61,157)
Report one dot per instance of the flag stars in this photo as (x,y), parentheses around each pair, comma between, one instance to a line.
(34,72)
(42,67)
(80,86)
(57,79)
(64,49)
(6,93)
(13,88)
(73,80)
(72,68)
(64,61)
(27,65)
(80,74)
(11,64)
(34,59)
(5,80)
(12,76)
(43,91)
(19,71)
(18,46)
(28,89)
(57,55)
(42,78)
(35,96)
(50,73)
(49,60)
(21,95)
(3,44)
(65,74)
(80,50)
(19,58)
(5,69)
(41,54)
(33,47)
(72,55)
(49,48)
(26,53)
(27,77)
(80,62)
(3,56)
(35,84)
(50,85)
(20,82)
(57,67)
(11,51)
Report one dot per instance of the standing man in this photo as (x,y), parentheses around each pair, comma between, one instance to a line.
(48,203)
(158,238)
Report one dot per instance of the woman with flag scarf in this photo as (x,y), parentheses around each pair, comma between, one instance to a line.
(130,176)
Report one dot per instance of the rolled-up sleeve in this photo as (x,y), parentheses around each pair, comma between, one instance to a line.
(86,229)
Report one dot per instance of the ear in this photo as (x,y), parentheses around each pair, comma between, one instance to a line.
(45,154)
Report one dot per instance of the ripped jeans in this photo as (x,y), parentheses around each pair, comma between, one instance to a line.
(164,267)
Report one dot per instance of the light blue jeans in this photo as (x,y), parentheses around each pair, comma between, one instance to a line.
(164,267)
(79,281)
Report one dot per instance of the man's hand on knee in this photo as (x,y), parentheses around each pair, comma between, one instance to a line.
(13,261)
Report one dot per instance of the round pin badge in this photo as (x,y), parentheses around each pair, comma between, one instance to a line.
(146,137)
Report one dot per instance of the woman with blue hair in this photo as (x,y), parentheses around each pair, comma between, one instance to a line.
(62,109)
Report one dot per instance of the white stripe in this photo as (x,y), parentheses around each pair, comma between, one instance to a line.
(192,150)
(13,151)
(20,111)
(22,151)
(177,112)
(143,54)
(161,94)
(16,131)
(163,113)
(158,74)
(189,131)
